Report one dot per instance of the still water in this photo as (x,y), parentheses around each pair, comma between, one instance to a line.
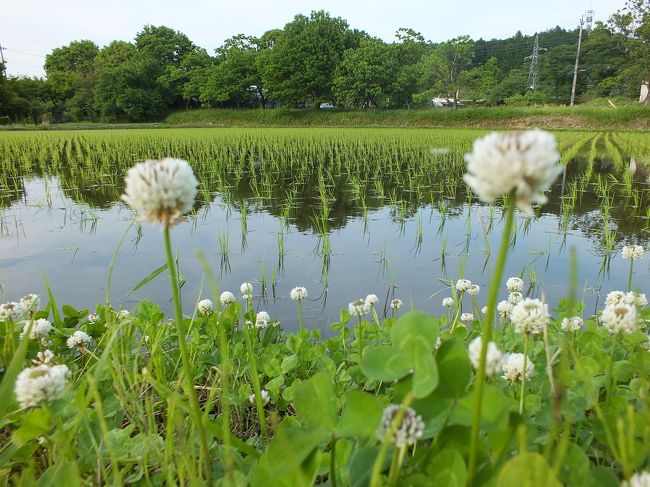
(410,252)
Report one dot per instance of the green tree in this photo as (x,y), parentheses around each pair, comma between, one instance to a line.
(480,80)
(441,71)
(632,26)
(365,75)
(409,51)
(301,64)
(70,75)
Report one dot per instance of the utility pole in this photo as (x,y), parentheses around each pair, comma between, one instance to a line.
(533,72)
(2,59)
(589,14)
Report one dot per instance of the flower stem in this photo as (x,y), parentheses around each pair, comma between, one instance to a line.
(256,383)
(629,276)
(487,332)
(300,316)
(185,356)
(523,376)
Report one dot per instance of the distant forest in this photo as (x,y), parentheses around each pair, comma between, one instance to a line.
(320,59)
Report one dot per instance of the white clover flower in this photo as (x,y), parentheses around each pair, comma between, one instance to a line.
(93,318)
(515,297)
(40,383)
(41,328)
(30,303)
(633,252)
(615,297)
(205,306)
(530,316)
(396,303)
(43,357)
(160,190)
(438,343)
(514,284)
(246,290)
(262,319)
(493,359)
(463,285)
(473,290)
(448,302)
(638,299)
(620,317)
(265,397)
(572,324)
(298,293)
(408,431)
(226,298)
(484,310)
(467,317)
(525,163)
(359,307)
(123,314)
(10,311)
(504,308)
(79,339)
(513,367)
(641,479)
(372,299)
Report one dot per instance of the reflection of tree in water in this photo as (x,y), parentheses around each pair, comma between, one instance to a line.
(351,190)
(12,190)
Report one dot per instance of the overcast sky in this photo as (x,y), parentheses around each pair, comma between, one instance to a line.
(32,28)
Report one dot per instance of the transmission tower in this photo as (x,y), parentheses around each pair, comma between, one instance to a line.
(533,72)
(4,64)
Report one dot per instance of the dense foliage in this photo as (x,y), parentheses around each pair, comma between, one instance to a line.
(319,59)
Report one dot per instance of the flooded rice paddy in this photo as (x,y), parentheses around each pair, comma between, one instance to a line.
(343,212)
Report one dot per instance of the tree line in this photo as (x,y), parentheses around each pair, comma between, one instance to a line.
(319,59)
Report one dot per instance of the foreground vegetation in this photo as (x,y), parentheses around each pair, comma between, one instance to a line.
(222,392)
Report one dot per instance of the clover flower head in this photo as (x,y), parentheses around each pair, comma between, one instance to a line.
(573,323)
(262,319)
(40,383)
(523,163)
(359,307)
(246,290)
(41,328)
(493,359)
(463,285)
(161,190)
(30,303)
(10,311)
(372,299)
(515,297)
(93,318)
(298,293)
(226,298)
(633,252)
(619,318)
(408,431)
(637,299)
(484,310)
(530,316)
(448,302)
(504,308)
(467,317)
(515,284)
(396,303)
(79,340)
(44,357)
(513,367)
(615,297)
(205,306)
(473,290)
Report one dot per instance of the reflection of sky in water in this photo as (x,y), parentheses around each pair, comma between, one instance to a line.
(62,241)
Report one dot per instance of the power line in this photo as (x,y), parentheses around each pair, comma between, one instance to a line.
(23,53)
